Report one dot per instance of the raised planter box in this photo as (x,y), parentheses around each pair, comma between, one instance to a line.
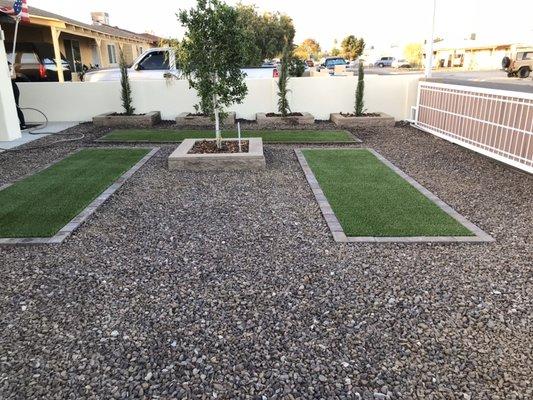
(304,119)
(142,121)
(362,122)
(180,159)
(185,119)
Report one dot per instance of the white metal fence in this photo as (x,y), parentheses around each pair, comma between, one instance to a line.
(496,123)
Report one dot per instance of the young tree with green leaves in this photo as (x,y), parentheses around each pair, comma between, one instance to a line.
(210,57)
(352,47)
(283,82)
(360,91)
(125,94)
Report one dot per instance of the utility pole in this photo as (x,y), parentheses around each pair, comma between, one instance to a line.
(429,47)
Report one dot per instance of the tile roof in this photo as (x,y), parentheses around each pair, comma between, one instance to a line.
(106,29)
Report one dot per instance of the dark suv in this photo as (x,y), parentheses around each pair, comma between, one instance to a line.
(34,62)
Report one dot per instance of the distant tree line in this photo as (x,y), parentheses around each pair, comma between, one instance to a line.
(351,48)
(267,34)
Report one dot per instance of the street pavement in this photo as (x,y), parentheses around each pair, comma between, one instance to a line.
(495,79)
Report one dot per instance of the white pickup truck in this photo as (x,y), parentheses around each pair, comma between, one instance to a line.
(160,63)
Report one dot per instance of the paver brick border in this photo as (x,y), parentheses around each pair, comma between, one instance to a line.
(181,159)
(112,120)
(335,227)
(79,219)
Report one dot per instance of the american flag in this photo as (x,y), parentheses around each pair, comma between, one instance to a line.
(19,9)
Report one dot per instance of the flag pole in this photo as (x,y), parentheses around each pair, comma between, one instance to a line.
(13,73)
(429,47)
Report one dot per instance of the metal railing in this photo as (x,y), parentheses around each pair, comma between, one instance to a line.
(493,122)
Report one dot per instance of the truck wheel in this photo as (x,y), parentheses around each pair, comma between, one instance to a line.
(381,65)
(510,74)
(523,72)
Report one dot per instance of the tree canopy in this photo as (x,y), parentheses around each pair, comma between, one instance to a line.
(211,54)
(352,47)
(266,33)
(309,48)
(413,53)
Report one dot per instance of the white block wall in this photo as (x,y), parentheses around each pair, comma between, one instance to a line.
(321,96)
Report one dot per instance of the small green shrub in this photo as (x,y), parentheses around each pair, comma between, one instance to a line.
(283,81)
(125,96)
(360,92)
(297,67)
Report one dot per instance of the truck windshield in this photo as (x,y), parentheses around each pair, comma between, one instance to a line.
(154,61)
(336,61)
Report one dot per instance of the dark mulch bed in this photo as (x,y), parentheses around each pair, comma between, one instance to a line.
(210,147)
(126,115)
(294,114)
(363,115)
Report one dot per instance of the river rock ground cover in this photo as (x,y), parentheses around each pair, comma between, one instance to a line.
(229,285)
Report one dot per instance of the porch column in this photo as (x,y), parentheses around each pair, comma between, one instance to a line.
(57,53)
(9,122)
(99,52)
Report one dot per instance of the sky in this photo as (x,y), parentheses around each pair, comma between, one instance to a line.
(382,23)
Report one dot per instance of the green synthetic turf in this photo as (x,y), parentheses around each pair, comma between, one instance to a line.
(370,199)
(270,136)
(40,205)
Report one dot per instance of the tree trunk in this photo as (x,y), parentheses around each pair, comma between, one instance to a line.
(218,135)
(217,122)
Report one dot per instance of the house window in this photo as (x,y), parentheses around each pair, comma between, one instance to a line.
(73,53)
(112,54)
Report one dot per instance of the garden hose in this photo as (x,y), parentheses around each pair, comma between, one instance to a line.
(40,127)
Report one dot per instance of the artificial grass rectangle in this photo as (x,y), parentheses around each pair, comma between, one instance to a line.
(371,200)
(42,204)
(269,136)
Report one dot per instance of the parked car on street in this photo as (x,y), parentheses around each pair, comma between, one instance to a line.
(160,63)
(384,62)
(35,62)
(520,63)
(401,64)
(354,64)
(329,63)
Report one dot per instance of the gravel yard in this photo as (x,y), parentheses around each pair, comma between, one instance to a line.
(228,285)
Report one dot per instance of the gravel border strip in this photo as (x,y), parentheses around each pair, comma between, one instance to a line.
(335,227)
(355,141)
(79,219)
(38,170)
